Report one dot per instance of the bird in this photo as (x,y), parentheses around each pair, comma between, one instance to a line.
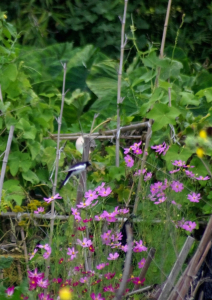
(74,170)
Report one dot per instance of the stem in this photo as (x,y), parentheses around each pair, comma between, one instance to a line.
(56,168)
(9,141)
(119,81)
(25,248)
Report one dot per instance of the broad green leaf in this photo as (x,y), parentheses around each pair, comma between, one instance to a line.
(30,176)
(207,93)
(14,165)
(117,172)
(188,98)
(10,72)
(30,134)
(34,148)
(163,115)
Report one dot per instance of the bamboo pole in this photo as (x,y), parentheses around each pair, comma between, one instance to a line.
(56,167)
(119,100)
(6,155)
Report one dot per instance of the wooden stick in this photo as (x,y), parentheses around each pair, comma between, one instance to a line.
(127,263)
(1,98)
(6,155)
(183,284)
(119,100)
(94,137)
(56,169)
(176,269)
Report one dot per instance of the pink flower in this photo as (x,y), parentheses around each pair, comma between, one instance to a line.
(91,195)
(129,161)
(35,274)
(39,210)
(189,225)
(43,297)
(117,236)
(72,252)
(43,283)
(87,220)
(85,243)
(174,171)
(137,151)
(98,189)
(141,263)
(124,248)
(84,204)
(160,200)
(47,248)
(178,163)
(109,275)
(202,178)
(138,281)
(124,211)
(75,212)
(105,192)
(159,148)
(113,256)
(106,238)
(139,247)
(108,288)
(100,266)
(97,296)
(83,279)
(99,218)
(9,291)
(148,176)
(177,186)
(194,197)
(33,254)
(48,200)
(189,174)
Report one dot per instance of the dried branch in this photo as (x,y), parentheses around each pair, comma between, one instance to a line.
(9,141)
(127,263)
(56,166)
(147,288)
(176,269)
(119,100)
(1,98)
(25,248)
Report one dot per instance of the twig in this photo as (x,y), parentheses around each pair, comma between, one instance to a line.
(9,141)
(119,100)
(176,269)
(25,248)
(99,137)
(147,288)
(127,263)
(56,167)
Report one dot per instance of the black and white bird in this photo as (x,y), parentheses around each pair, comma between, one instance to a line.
(74,170)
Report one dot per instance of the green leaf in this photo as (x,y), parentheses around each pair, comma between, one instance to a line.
(34,148)
(163,115)
(14,165)
(117,172)
(30,176)
(10,72)
(188,98)
(207,93)
(5,262)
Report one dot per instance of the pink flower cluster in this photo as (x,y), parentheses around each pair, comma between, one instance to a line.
(37,279)
(163,148)
(111,217)
(187,225)
(136,150)
(45,247)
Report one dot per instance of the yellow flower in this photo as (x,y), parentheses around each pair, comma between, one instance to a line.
(200,152)
(5,16)
(203,134)
(65,294)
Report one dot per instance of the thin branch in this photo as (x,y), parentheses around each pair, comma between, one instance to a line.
(1,98)
(9,141)
(119,81)
(127,263)
(147,288)
(56,167)
(25,248)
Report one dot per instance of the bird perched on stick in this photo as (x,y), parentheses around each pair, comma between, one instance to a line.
(74,170)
